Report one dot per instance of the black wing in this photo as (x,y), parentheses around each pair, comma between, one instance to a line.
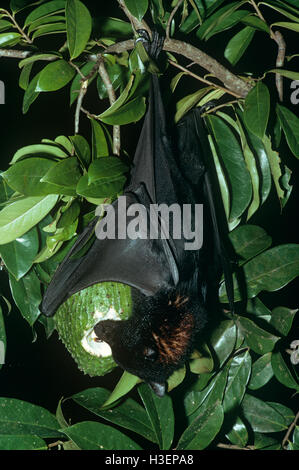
(144,264)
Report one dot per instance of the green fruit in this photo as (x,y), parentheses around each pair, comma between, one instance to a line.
(76,318)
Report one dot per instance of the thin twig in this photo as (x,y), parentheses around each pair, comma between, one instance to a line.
(216,108)
(136,24)
(232,82)
(279,39)
(90,115)
(172,16)
(233,447)
(82,92)
(203,80)
(290,429)
(21,31)
(112,98)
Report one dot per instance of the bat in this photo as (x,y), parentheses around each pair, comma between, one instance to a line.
(173,278)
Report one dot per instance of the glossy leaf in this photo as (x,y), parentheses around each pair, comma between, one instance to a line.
(237,46)
(82,149)
(290,125)
(238,434)
(49,29)
(129,112)
(26,176)
(202,430)
(257,109)
(128,414)
(124,385)
(27,295)
(90,435)
(18,255)
(282,319)
(238,376)
(137,7)
(22,418)
(106,168)
(20,216)
(223,340)
(282,372)
(9,39)
(79,24)
(262,417)
(262,372)
(44,10)
(270,271)
(30,94)
(160,414)
(39,150)
(64,175)
(48,20)
(18,5)
(255,22)
(249,240)
(186,103)
(261,341)
(232,156)
(54,76)
(100,146)
(22,443)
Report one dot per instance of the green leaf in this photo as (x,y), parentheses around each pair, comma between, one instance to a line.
(82,149)
(106,168)
(18,255)
(112,27)
(282,372)
(79,25)
(99,142)
(26,176)
(231,153)
(9,39)
(264,442)
(160,414)
(237,46)
(249,240)
(5,25)
(49,29)
(223,340)
(259,340)
(176,378)
(27,295)
(30,94)
(137,7)
(286,412)
(282,319)
(124,385)
(5,191)
(288,25)
(269,271)
(255,22)
(128,414)
(202,430)
(55,76)
(238,434)
(44,10)
(129,112)
(101,188)
(290,125)
(257,109)
(90,435)
(20,216)
(22,443)
(118,76)
(64,175)
(256,307)
(36,57)
(286,73)
(40,150)
(262,372)
(262,417)
(226,21)
(238,376)
(69,215)
(18,5)
(48,21)
(186,103)
(22,418)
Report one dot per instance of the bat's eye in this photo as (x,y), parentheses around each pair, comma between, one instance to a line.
(150,354)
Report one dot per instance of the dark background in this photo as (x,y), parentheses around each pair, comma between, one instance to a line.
(42,372)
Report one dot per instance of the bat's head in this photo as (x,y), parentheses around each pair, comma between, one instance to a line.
(152,345)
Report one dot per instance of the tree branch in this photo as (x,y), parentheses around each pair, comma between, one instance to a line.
(172,16)
(136,24)
(279,39)
(112,98)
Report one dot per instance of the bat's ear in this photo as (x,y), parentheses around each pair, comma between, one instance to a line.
(158,388)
